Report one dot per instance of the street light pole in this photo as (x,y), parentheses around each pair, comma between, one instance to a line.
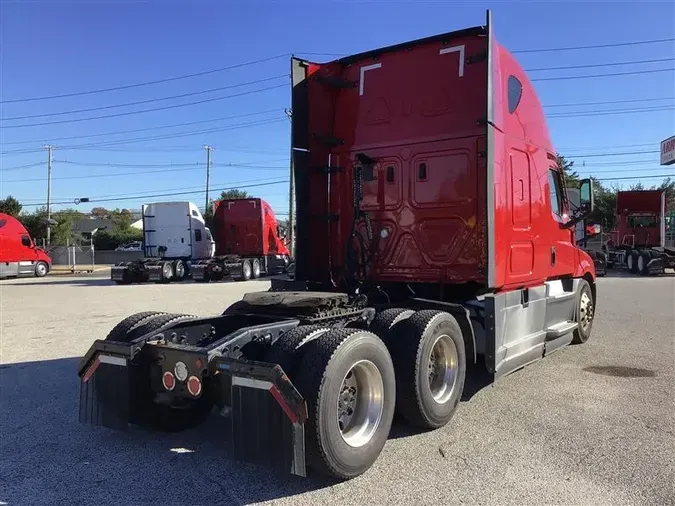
(208,175)
(49,149)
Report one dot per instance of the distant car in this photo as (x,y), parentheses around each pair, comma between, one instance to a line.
(132,246)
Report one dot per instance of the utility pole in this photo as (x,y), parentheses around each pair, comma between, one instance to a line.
(208,175)
(291,196)
(49,149)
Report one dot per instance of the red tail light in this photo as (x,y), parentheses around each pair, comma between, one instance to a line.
(168,380)
(194,386)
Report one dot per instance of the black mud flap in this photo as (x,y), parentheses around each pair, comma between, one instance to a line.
(120,273)
(268,415)
(155,273)
(105,381)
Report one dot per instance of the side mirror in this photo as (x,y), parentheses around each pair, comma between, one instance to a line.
(586,202)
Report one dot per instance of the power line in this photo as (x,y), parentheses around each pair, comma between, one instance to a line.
(129,113)
(172,194)
(146,83)
(610,64)
(148,101)
(654,176)
(596,46)
(611,102)
(578,114)
(135,130)
(27,166)
(560,78)
(591,155)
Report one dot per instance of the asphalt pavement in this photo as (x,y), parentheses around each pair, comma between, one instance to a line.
(590,425)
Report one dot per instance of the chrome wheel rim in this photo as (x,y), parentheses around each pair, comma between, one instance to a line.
(360,403)
(585,311)
(247,270)
(629,261)
(640,263)
(180,270)
(41,269)
(442,368)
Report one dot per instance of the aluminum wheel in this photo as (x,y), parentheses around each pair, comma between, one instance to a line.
(640,263)
(360,403)
(585,311)
(443,366)
(41,269)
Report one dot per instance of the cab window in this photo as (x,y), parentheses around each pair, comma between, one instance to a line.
(198,235)
(555,191)
(25,241)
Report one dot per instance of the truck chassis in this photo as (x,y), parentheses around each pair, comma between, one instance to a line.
(647,261)
(164,270)
(312,378)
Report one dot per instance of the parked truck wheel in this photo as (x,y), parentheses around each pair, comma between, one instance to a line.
(643,260)
(285,350)
(255,267)
(384,321)
(179,270)
(631,261)
(347,379)
(121,330)
(584,314)
(163,417)
(41,269)
(167,272)
(430,363)
(246,270)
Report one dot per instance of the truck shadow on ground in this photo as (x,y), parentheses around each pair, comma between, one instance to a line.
(50,458)
(48,454)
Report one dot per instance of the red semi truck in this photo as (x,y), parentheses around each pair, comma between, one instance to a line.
(249,243)
(18,254)
(638,242)
(434,241)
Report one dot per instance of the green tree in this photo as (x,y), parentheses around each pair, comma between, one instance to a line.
(565,165)
(10,206)
(100,212)
(62,232)
(234,193)
(35,223)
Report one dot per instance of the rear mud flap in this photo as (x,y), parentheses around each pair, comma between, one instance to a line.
(268,415)
(155,273)
(105,389)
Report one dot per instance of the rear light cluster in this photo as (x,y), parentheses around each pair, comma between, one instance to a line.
(180,374)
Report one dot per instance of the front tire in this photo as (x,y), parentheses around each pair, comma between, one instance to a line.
(584,314)
(41,269)
(347,379)
(430,362)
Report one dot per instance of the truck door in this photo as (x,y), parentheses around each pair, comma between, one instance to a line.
(562,250)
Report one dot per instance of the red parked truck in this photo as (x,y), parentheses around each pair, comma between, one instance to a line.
(434,240)
(639,241)
(249,243)
(18,254)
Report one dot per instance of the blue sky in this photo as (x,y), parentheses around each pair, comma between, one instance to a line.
(59,47)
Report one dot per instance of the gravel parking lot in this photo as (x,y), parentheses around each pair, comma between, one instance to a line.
(591,425)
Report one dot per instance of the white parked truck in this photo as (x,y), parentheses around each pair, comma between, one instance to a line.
(174,235)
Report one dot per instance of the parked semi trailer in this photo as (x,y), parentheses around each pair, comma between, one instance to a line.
(174,234)
(434,241)
(19,256)
(249,243)
(639,242)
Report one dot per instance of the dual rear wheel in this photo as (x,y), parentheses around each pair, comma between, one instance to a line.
(353,381)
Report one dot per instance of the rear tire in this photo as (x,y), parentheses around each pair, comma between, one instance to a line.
(430,362)
(643,262)
(120,331)
(167,272)
(41,269)
(179,270)
(286,350)
(384,322)
(161,417)
(256,268)
(631,261)
(353,368)
(584,314)
(246,270)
